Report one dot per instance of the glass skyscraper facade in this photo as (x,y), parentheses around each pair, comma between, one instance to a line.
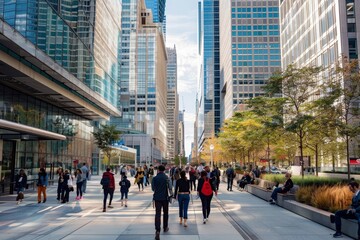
(58,73)
(158,9)
(209,88)
(66,31)
(253,31)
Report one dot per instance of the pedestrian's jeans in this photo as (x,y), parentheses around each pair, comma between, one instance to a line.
(230,183)
(206,203)
(106,192)
(79,191)
(184,200)
(158,205)
(343,214)
(275,192)
(124,194)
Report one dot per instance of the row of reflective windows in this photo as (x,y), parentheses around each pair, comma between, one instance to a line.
(256,45)
(256,63)
(244,82)
(255,15)
(255,27)
(255,33)
(255,51)
(132,109)
(255,57)
(263,9)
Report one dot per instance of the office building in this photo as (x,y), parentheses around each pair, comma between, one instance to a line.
(209,83)
(250,50)
(172,104)
(58,73)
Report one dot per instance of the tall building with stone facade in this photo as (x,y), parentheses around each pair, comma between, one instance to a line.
(172,104)
(143,83)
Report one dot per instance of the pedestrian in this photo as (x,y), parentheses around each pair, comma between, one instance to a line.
(353,212)
(230,173)
(151,173)
(20,185)
(108,184)
(65,192)
(193,177)
(205,190)
(285,188)
(84,175)
(60,173)
(161,185)
(217,174)
(123,171)
(79,183)
(124,189)
(256,171)
(146,176)
(182,194)
(139,178)
(42,184)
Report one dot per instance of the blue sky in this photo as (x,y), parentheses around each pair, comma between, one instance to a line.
(181,27)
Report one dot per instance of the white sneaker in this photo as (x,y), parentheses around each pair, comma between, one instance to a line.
(204,221)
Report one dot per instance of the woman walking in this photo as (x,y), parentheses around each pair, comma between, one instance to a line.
(140,178)
(65,187)
(79,183)
(42,184)
(60,173)
(205,190)
(182,192)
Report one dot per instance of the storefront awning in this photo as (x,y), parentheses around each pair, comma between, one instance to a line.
(12,130)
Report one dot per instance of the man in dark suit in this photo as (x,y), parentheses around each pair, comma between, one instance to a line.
(161,185)
(353,212)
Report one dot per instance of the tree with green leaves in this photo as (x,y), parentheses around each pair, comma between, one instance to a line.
(297,86)
(105,137)
(348,82)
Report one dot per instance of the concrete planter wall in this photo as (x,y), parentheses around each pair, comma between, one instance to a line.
(287,201)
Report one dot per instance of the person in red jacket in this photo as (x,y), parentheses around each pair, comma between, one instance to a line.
(108,183)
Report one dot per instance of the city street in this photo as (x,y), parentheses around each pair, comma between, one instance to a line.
(235,215)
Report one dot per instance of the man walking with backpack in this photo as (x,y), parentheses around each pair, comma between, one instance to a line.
(108,184)
(205,190)
(230,173)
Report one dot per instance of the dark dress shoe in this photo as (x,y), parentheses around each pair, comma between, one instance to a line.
(157,235)
(166,229)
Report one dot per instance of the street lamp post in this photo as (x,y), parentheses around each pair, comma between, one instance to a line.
(211,159)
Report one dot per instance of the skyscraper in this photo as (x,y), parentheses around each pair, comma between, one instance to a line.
(143,83)
(320,33)
(172,103)
(58,72)
(250,50)
(158,9)
(209,84)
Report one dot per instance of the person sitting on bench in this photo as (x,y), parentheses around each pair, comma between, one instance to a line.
(353,212)
(284,189)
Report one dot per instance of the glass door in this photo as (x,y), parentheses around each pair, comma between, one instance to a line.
(7,167)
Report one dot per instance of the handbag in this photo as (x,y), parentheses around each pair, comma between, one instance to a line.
(70,183)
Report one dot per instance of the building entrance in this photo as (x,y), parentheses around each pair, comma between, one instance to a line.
(7,167)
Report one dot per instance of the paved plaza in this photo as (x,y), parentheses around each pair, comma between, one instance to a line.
(234,215)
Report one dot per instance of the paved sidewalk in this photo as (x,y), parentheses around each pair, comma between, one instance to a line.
(234,215)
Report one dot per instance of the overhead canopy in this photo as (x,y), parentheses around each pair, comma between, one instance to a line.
(11,130)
